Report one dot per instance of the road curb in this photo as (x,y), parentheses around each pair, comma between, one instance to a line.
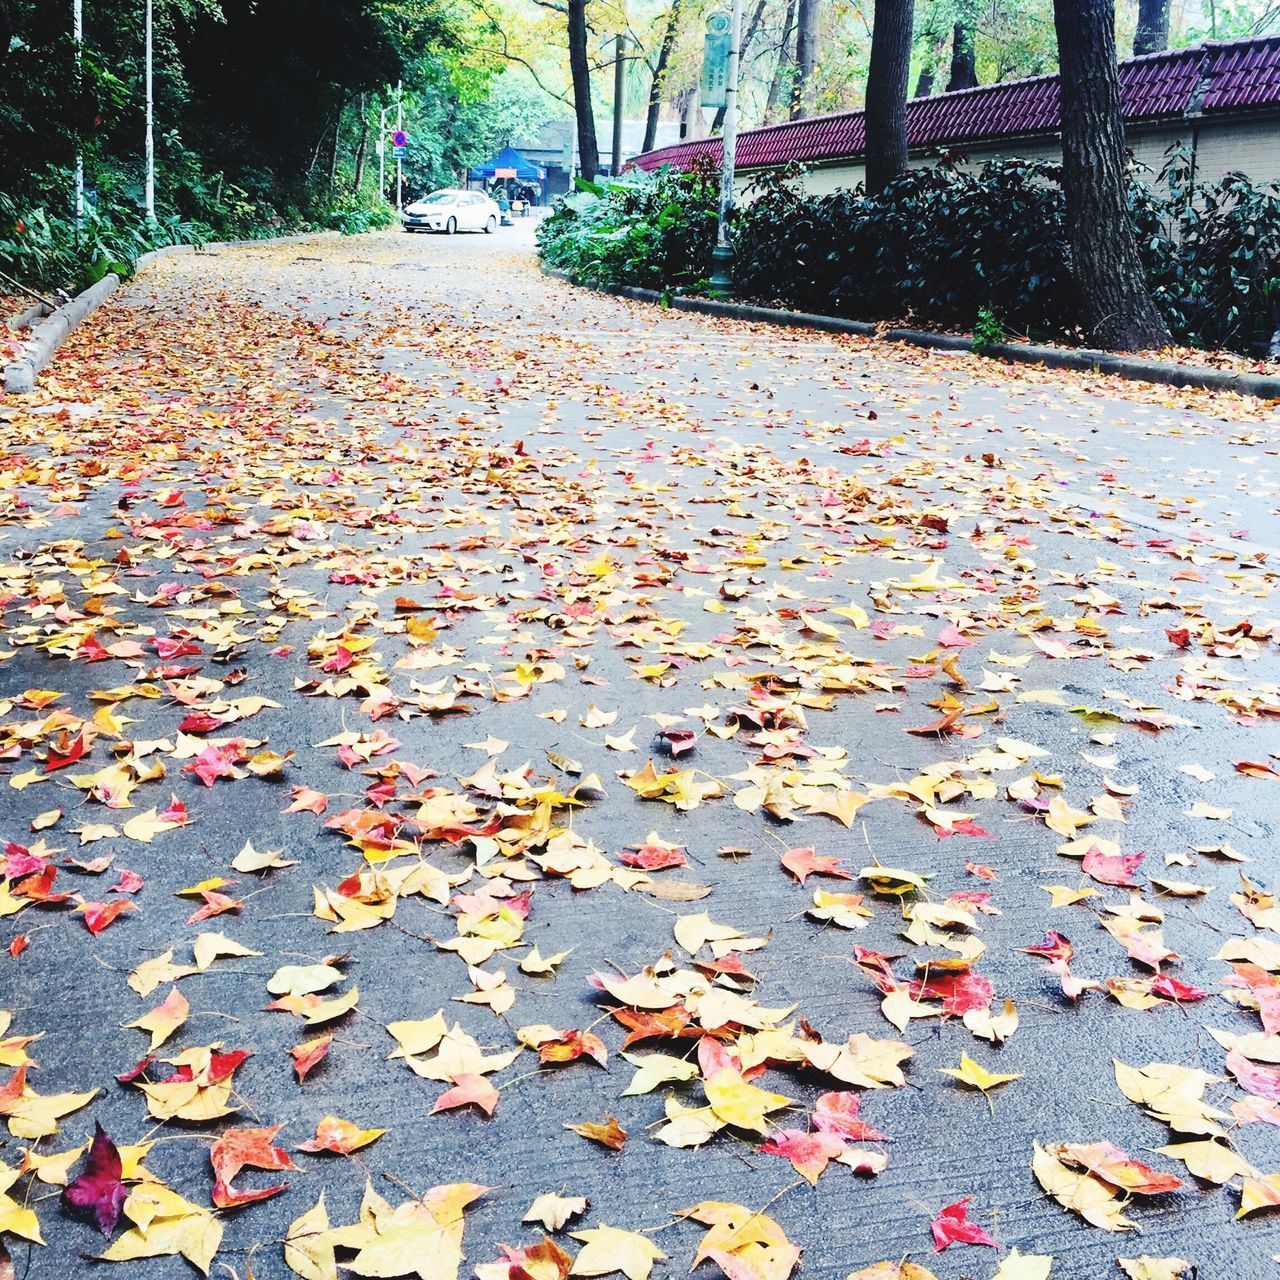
(46,337)
(1264,386)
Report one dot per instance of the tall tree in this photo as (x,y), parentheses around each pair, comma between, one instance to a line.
(782,67)
(806,58)
(659,69)
(1117,307)
(580,72)
(886,113)
(1152,34)
(964,73)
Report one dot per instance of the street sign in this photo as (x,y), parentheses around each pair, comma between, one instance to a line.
(506,173)
(715,60)
(399,153)
(400,139)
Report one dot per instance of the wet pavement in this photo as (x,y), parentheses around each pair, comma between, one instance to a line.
(427,502)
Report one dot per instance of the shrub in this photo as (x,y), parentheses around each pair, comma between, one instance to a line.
(938,244)
(351,217)
(47,250)
(1212,255)
(656,232)
(942,246)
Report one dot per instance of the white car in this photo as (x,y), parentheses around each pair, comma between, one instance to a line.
(451,211)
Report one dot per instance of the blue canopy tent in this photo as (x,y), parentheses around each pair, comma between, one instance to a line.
(508,163)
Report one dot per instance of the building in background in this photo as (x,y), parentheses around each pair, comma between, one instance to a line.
(1220,99)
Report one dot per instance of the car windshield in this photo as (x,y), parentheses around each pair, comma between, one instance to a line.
(439,197)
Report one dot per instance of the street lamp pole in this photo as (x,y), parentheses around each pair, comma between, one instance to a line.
(399,161)
(382,153)
(619,92)
(151,133)
(77,37)
(722,256)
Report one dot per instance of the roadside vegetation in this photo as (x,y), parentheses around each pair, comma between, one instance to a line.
(941,247)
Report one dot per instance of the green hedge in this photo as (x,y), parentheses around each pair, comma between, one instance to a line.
(942,246)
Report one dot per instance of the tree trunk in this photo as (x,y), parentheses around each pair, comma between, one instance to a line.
(747,36)
(580,69)
(659,71)
(362,147)
(780,70)
(806,58)
(1152,34)
(964,74)
(1116,306)
(924,83)
(886,114)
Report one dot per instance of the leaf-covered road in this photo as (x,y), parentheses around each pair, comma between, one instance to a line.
(424,684)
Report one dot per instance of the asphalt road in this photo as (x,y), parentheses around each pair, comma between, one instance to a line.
(267,445)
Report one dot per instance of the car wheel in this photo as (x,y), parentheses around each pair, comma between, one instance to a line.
(491,226)
(451,226)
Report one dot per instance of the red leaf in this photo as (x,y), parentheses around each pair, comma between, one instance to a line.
(952,1226)
(1109,868)
(305,1056)
(803,863)
(468,1090)
(809,1153)
(237,1148)
(838,1113)
(98,1193)
(98,915)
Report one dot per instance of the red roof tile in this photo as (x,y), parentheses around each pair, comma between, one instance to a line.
(1214,77)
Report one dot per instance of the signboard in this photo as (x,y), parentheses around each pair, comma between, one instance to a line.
(506,173)
(399,153)
(400,139)
(715,61)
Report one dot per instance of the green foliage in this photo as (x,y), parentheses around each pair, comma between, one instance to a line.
(351,218)
(988,330)
(942,246)
(48,250)
(938,244)
(1212,254)
(267,117)
(656,232)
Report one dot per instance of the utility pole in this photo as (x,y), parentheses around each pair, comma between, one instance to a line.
(382,153)
(619,88)
(77,37)
(151,130)
(722,256)
(399,161)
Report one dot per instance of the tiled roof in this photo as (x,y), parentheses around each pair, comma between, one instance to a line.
(1213,77)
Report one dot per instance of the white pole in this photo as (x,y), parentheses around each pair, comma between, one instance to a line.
(151,131)
(721,282)
(382,153)
(77,36)
(399,161)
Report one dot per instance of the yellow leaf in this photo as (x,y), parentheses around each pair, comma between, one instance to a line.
(1024,1266)
(209,947)
(307,1249)
(607,1249)
(164,1019)
(1210,1160)
(977,1076)
(1093,1200)
(737,1102)
(1062,896)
